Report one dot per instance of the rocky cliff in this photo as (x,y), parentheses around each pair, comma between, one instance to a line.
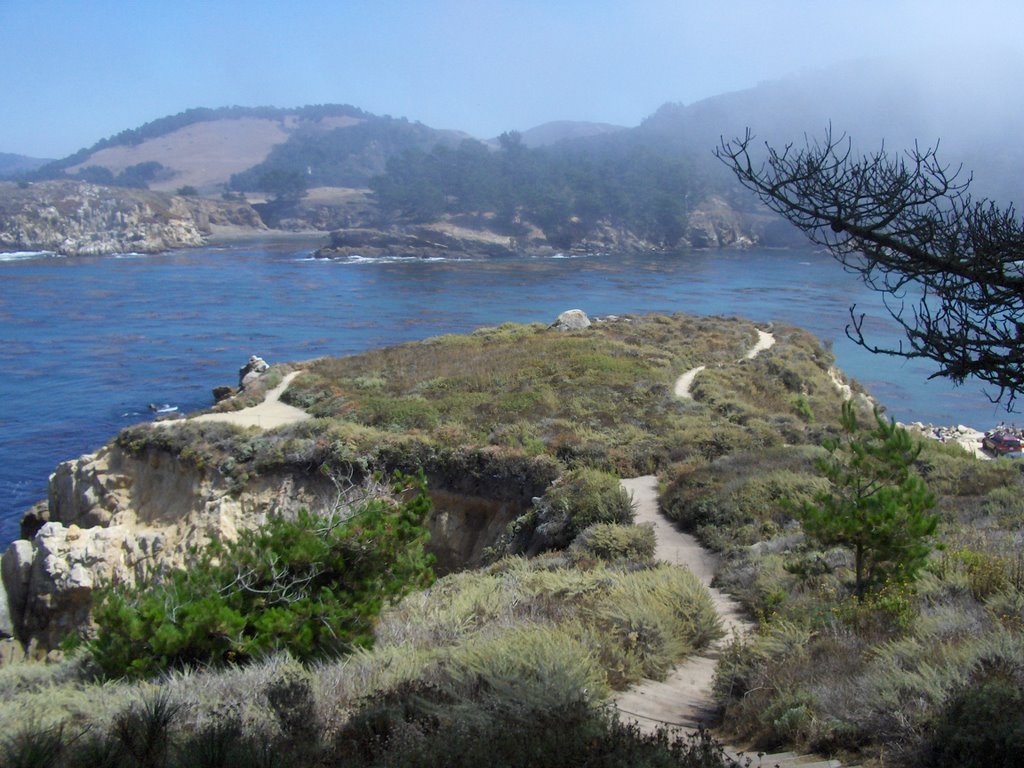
(76,219)
(712,224)
(111,516)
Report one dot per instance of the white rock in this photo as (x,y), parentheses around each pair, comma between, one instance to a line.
(572,320)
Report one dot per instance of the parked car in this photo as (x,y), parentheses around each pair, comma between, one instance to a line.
(1003,444)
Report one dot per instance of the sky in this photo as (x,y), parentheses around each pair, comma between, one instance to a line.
(75,72)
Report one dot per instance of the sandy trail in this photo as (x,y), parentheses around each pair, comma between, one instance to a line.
(269,414)
(765,341)
(684,383)
(684,697)
(683,700)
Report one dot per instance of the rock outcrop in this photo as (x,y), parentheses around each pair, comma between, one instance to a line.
(714,224)
(711,224)
(49,581)
(420,242)
(112,516)
(571,320)
(251,371)
(81,219)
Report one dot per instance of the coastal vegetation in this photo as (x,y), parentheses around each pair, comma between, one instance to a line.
(564,192)
(892,673)
(311,586)
(532,399)
(481,660)
(488,653)
(899,666)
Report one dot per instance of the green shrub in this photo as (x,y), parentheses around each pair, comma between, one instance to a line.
(613,542)
(542,667)
(590,496)
(425,726)
(312,585)
(876,506)
(981,727)
(741,498)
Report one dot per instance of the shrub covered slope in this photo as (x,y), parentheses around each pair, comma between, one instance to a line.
(496,657)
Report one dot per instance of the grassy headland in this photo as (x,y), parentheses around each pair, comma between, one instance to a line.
(518,655)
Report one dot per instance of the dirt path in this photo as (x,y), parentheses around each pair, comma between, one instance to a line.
(684,383)
(684,697)
(765,341)
(269,414)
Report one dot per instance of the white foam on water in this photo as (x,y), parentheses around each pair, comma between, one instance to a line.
(357,259)
(24,255)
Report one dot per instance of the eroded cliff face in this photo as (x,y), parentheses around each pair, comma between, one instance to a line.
(77,219)
(111,516)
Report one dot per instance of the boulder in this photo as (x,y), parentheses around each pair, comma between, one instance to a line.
(33,520)
(49,581)
(572,320)
(6,620)
(251,371)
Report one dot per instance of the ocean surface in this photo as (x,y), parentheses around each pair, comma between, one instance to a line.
(88,344)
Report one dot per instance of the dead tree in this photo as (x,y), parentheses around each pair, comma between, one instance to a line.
(950,269)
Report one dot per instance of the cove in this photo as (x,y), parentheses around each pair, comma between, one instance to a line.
(87,344)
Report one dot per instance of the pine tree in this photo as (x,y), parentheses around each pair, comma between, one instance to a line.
(876,505)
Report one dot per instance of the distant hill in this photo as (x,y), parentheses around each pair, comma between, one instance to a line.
(568,179)
(564,130)
(331,145)
(977,124)
(15,165)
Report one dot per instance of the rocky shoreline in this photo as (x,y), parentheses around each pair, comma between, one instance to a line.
(970,439)
(75,218)
(80,219)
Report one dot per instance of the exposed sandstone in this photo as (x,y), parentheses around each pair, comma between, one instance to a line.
(111,516)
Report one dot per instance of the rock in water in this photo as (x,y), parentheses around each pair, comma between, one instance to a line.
(572,320)
(251,371)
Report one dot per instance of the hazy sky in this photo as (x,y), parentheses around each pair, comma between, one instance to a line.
(78,71)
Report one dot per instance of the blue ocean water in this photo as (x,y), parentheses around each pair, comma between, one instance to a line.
(86,344)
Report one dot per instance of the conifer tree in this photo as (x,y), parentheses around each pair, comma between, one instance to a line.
(876,505)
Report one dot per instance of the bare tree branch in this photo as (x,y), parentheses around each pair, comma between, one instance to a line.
(951,269)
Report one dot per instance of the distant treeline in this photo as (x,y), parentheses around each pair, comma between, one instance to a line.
(565,190)
(341,157)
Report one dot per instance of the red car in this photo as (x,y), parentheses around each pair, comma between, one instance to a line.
(1003,444)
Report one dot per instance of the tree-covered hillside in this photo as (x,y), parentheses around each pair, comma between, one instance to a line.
(565,190)
(342,157)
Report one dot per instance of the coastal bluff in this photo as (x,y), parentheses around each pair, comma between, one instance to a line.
(494,419)
(111,516)
(75,218)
